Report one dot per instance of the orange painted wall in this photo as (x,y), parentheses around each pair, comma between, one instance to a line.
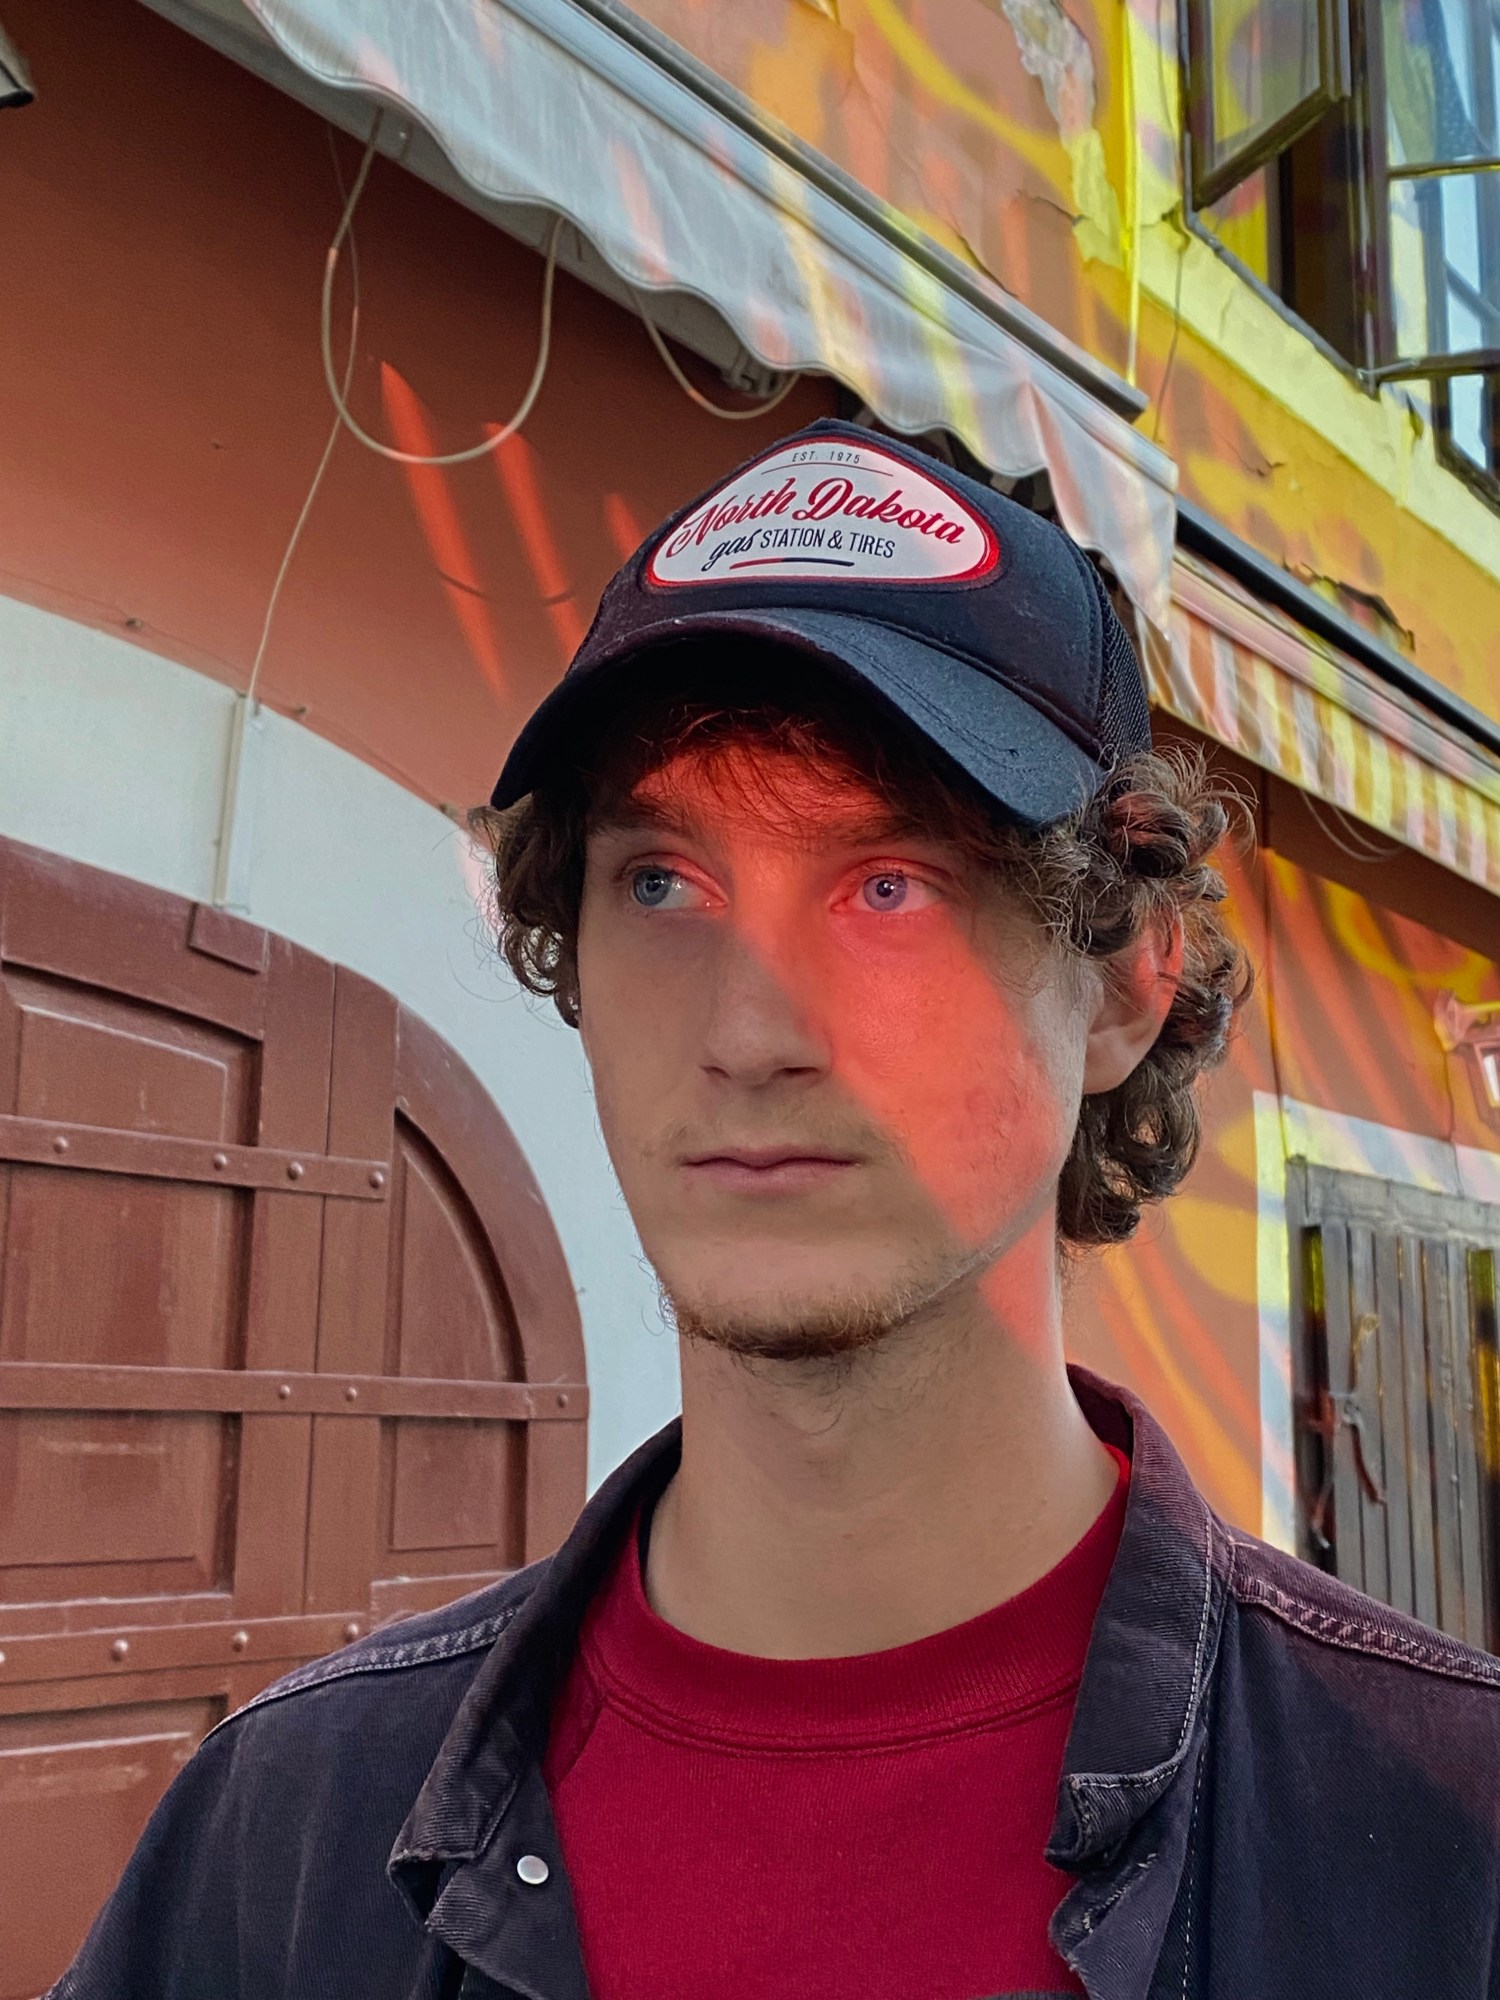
(1357,985)
(162,407)
(928,104)
(1348,974)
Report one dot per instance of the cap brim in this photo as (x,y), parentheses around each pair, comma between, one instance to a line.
(1025,762)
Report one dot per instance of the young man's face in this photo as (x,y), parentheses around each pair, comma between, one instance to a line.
(838,1074)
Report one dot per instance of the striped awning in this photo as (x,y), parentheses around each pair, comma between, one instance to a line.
(1252,680)
(682,190)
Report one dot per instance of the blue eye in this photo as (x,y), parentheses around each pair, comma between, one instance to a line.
(885,892)
(652,886)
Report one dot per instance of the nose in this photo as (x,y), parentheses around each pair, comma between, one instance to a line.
(764,1023)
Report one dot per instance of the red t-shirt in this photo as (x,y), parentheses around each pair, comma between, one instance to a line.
(747,1829)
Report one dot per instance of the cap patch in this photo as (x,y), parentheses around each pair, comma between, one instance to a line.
(834,511)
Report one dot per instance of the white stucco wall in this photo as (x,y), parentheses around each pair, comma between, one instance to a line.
(116,757)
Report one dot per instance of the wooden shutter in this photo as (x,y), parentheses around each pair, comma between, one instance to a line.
(287,1347)
(1397,1459)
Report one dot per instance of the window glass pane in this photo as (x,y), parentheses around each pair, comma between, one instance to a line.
(1409,296)
(1445,264)
(1266,61)
(1466,419)
(1465,328)
(1459,202)
(1430,81)
(1458,24)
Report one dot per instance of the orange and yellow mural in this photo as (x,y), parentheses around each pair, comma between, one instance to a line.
(1042,143)
(1346,1019)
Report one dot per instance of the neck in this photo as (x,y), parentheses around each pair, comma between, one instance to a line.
(847,1507)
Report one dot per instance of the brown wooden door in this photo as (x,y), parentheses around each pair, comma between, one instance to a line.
(287,1348)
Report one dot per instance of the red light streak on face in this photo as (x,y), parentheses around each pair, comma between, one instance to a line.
(432,497)
(935,1057)
(516,464)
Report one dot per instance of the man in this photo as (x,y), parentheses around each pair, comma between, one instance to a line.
(909,1665)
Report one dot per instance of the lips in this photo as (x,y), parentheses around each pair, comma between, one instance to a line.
(767,1170)
(765,1159)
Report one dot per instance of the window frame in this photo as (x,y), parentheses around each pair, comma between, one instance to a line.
(1368,247)
(1480,479)
(1209,180)
(1434,367)
(1361,46)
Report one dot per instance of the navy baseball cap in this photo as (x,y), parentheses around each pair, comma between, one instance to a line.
(983,625)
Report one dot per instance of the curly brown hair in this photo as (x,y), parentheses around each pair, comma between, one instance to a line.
(1134,856)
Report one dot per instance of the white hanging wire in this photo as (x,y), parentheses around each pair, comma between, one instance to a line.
(333,436)
(245,706)
(340,400)
(339,389)
(1358,846)
(695,395)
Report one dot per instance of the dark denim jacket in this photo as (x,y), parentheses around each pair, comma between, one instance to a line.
(1273,1788)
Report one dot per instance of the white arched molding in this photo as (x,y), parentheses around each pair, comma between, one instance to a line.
(113,756)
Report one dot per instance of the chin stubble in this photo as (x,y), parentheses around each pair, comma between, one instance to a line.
(833,1332)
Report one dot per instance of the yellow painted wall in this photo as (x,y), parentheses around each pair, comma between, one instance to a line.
(1038,140)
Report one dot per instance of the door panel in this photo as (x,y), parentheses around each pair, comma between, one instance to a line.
(453,1492)
(103,1268)
(114,1505)
(360,1351)
(453,1316)
(61,1773)
(103,1061)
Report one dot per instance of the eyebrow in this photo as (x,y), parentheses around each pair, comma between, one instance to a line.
(871,830)
(635,816)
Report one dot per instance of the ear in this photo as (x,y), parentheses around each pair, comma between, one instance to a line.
(1135,993)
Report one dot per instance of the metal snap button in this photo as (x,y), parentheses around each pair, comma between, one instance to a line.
(532,1870)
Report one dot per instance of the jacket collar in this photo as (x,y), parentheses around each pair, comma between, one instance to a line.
(1154,1640)
(1142,1694)
(483,1802)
